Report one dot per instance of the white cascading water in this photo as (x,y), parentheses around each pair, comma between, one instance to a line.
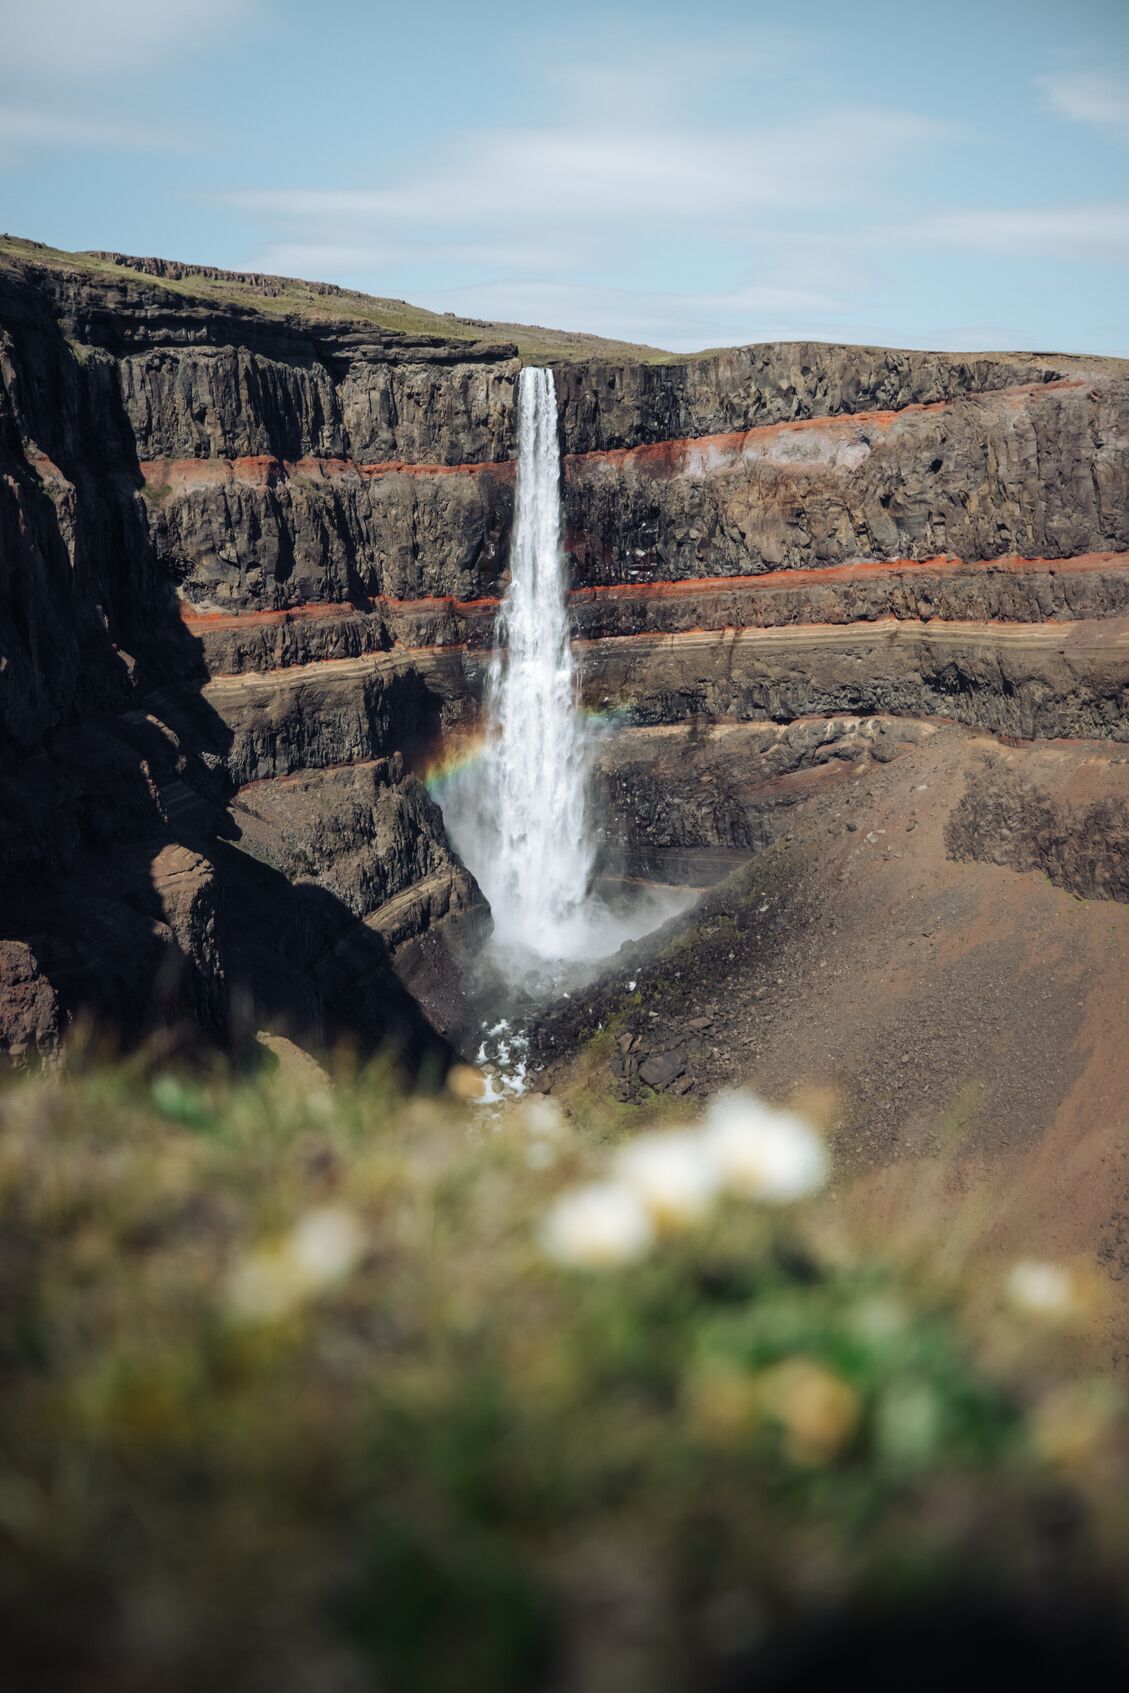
(520,816)
(536,767)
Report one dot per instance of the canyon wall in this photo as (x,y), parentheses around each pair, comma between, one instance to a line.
(183,859)
(250,565)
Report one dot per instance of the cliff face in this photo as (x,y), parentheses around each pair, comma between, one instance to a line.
(152,875)
(1030,470)
(250,564)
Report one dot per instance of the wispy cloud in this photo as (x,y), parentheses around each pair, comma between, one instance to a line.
(1097,231)
(681,322)
(611,173)
(941,337)
(1091,97)
(684,186)
(53,40)
(314,259)
(624,74)
(25,126)
(74,72)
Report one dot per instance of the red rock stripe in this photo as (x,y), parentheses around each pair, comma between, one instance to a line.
(313,611)
(264,470)
(866,570)
(862,571)
(668,453)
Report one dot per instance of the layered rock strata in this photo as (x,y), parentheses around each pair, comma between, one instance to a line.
(953,479)
(250,567)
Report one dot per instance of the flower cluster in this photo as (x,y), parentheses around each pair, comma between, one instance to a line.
(667,1181)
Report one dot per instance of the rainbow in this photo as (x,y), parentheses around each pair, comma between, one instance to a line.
(461,750)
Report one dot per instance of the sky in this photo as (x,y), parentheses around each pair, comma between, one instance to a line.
(952,175)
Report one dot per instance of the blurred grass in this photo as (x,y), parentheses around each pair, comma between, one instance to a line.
(440,1462)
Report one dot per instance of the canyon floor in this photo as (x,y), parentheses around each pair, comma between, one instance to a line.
(958,1026)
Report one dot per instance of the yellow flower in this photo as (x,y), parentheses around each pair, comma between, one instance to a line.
(466,1083)
(817,1410)
(544,1125)
(1071,1423)
(541,1117)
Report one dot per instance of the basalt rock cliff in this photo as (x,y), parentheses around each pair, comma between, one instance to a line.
(250,563)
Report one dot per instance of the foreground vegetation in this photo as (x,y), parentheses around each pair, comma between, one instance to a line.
(337,1388)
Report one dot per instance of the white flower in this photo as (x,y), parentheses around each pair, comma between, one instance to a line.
(673,1173)
(597,1226)
(1041,1289)
(322,1249)
(542,1117)
(764,1154)
(260,1288)
(325,1246)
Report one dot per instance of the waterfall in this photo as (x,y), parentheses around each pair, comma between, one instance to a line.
(520,815)
(536,767)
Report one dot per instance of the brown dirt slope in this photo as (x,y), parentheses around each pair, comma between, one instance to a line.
(961,1024)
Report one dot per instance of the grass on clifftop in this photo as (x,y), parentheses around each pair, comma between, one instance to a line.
(294,1396)
(288,296)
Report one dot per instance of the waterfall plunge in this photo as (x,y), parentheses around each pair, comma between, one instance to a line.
(521,815)
(537,755)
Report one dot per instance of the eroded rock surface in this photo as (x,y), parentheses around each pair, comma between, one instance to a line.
(250,567)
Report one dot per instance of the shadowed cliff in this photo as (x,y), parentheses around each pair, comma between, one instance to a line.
(128,902)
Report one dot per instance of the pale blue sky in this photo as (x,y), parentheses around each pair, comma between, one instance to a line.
(952,175)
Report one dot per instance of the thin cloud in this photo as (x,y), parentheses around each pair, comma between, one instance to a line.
(1093,98)
(22,127)
(601,175)
(680,322)
(564,202)
(620,76)
(316,259)
(57,40)
(1097,231)
(763,298)
(974,338)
